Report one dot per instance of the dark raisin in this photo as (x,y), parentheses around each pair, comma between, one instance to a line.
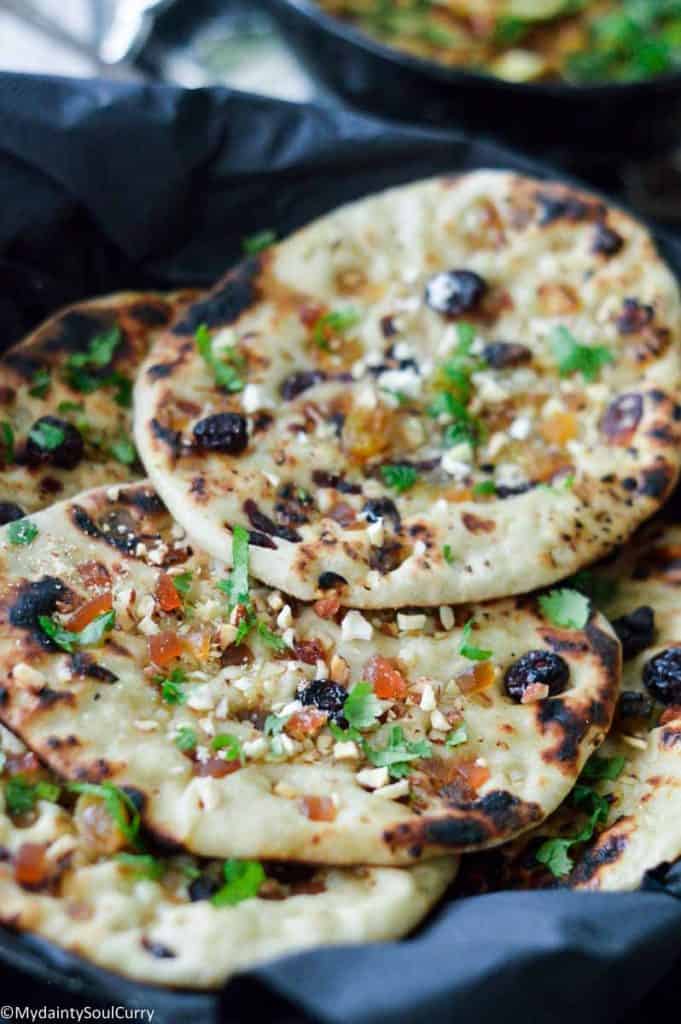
(622,417)
(65,455)
(264,525)
(202,888)
(329,580)
(382,508)
(322,478)
(662,676)
(502,354)
(606,241)
(635,630)
(453,292)
(536,667)
(634,317)
(157,949)
(296,383)
(224,432)
(326,696)
(633,704)
(9,512)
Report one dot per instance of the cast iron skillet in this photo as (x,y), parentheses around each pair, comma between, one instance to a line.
(581,124)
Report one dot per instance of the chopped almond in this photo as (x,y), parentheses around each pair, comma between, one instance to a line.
(534,692)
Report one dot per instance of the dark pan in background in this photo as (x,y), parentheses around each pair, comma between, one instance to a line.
(581,125)
(109,186)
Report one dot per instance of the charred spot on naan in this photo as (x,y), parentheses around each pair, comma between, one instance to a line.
(236,293)
(610,847)
(23,604)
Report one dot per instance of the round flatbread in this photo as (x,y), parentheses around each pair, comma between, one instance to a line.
(640,828)
(253,727)
(66,395)
(410,393)
(67,875)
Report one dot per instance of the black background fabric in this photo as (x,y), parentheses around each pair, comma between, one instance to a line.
(105,186)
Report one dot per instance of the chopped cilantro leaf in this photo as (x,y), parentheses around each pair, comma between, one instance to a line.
(468,651)
(244,628)
(332,324)
(143,865)
(118,803)
(362,707)
(401,477)
(554,854)
(398,754)
(172,691)
(236,587)
(343,735)
(23,531)
(7,441)
(230,745)
(603,767)
(575,358)
(448,554)
(274,724)
(40,383)
(253,244)
(47,436)
(566,608)
(64,408)
(99,352)
(243,879)
(92,634)
(457,736)
(227,367)
(485,487)
(183,582)
(123,450)
(185,739)
(21,794)
(270,639)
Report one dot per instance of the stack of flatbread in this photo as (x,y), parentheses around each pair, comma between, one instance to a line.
(317,588)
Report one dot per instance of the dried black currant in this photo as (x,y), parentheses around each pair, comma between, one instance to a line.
(503,354)
(54,442)
(662,676)
(224,432)
(635,630)
(606,241)
(202,888)
(453,292)
(325,695)
(632,704)
(298,382)
(382,508)
(634,316)
(536,667)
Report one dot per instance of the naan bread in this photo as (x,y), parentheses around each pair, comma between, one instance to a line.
(77,368)
(640,592)
(60,879)
(404,432)
(440,758)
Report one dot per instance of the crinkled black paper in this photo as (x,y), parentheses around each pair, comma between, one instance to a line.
(105,186)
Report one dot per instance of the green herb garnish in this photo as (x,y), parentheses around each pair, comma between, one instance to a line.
(185,739)
(230,746)
(40,383)
(333,324)
(401,477)
(143,865)
(183,582)
(575,358)
(172,689)
(466,650)
(46,436)
(243,879)
(23,531)
(398,754)
(362,707)
(253,244)
(603,768)
(7,441)
(270,639)
(123,450)
(236,587)
(118,803)
(448,554)
(274,724)
(597,588)
(227,367)
(485,487)
(21,795)
(457,736)
(566,608)
(93,633)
